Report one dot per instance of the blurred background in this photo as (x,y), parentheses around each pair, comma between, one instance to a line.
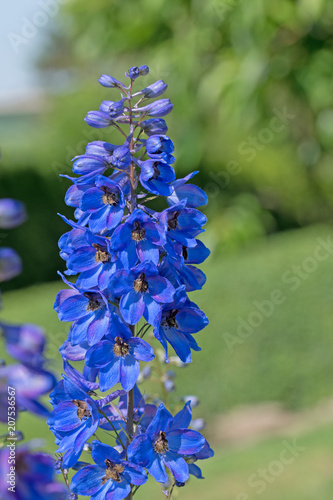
(252,85)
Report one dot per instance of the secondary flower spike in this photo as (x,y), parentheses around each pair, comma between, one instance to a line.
(131,252)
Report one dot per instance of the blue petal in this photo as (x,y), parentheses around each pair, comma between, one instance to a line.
(129,372)
(109,375)
(101,452)
(183,418)
(134,474)
(141,350)
(177,466)
(88,480)
(140,451)
(185,441)
(160,289)
(160,422)
(132,307)
(100,355)
(157,469)
(92,200)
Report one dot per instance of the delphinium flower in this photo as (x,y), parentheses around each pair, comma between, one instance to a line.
(134,267)
(25,474)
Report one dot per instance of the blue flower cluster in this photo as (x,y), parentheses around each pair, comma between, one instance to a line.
(24,474)
(135,266)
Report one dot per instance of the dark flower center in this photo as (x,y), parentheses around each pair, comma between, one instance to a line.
(172,221)
(157,172)
(94,303)
(185,253)
(101,254)
(120,347)
(112,471)
(171,319)
(140,284)
(83,411)
(161,444)
(109,197)
(138,233)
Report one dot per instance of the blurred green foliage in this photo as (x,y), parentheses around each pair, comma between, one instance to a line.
(252,84)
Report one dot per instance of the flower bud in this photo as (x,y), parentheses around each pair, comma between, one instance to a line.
(198,424)
(121,157)
(144,70)
(12,213)
(159,108)
(97,119)
(10,264)
(154,90)
(112,108)
(133,72)
(154,126)
(109,81)
(193,399)
(169,385)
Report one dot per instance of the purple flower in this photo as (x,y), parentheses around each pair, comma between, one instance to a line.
(142,292)
(117,357)
(160,147)
(110,478)
(109,81)
(113,109)
(155,177)
(90,312)
(75,418)
(105,203)
(193,195)
(25,343)
(164,444)
(33,476)
(139,238)
(12,213)
(10,264)
(29,384)
(153,126)
(154,90)
(183,224)
(158,108)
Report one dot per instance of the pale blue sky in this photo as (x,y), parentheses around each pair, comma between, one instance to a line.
(17,69)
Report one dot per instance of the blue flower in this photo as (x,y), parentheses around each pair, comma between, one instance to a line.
(25,343)
(112,108)
(94,259)
(164,444)
(183,224)
(89,310)
(12,213)
(105,203)
(29,383)
(153,126)
(193,195)
(34,475)
(121,157)
(75,418)
(98,119)
(155,176)
(160,147)
(179,320)
(109,81)
(153,90)
(10,264)
(117,357)
(88,163)
(142,292)
(158,108)
(139,238)
(110,478)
